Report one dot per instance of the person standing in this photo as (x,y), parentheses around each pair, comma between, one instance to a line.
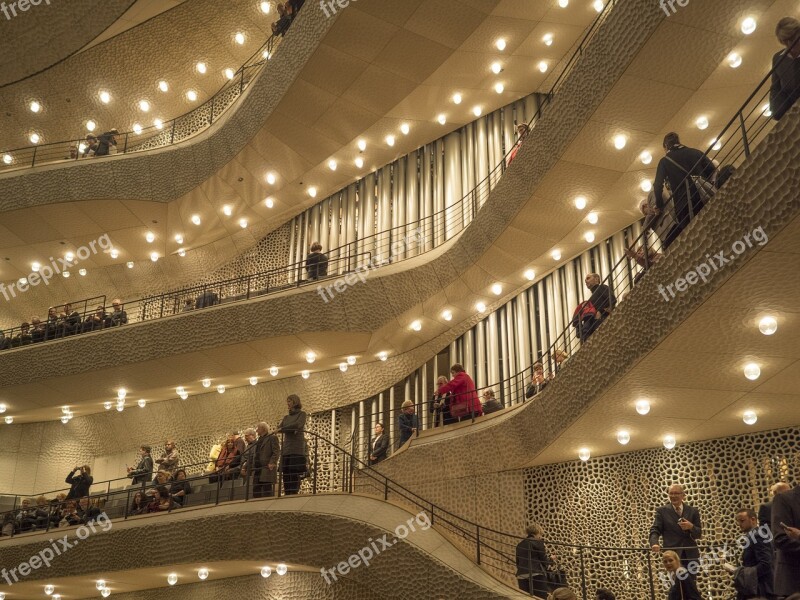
(785,88)
(679,525)
(786,529)
(532,563)
(316,262)
(756,557)
(408,421)
(169,459)
(80,480)
(265,461)
(379,445)
(439,405)
(765,510)
(143,471)
(293,453)
(464,401)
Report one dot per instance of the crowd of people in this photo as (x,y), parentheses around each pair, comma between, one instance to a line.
(287,11)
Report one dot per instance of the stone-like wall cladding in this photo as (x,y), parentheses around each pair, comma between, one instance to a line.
(609,501)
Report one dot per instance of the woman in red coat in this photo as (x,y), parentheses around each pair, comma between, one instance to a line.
(462,390)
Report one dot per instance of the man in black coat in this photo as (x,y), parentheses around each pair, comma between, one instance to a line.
(532,563)
(785,89)
(756,553)
(675,169)
(679,525)
(379,445)
(265,460)
(602,299)
(144,470)
(765,510)
(80,483)
(786,529)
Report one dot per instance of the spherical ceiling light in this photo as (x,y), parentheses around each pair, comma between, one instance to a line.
(589,236)
(734,60)
(500,44)
(477,110)
(90,125)
(3,408)
(669,442)
(154,256)
(390,140)
(598,5)
(122,393)
(716,144)
(499,87)
(137,129)
(141,402)
(497,289)
(105,592)
(191,95)
(310,357)
(105,97)
(623,437)
(271,178)
(592,217)
(312,191)
(416,325)
(8,159)
(229,73)
(82,272)
(206,382)
(163,86)
(114,253)
(265,7)
(34,138)
(702,122)
(480,307)
(442,119)
(383,356)
(351,360)
(281,569)
(305,374)
(620,141)
(580,202)
(273,371)
(243,223)
(253,380)
(359,162)
(768,325)
(362,145)
(584,454)
(548,39)
(457,98)
(496,67)
(750,417)
(752,371)
(196,219)
(447,315)
(159,124)
(269,202)
(266,572)
(749,25)
(343,367)
(202,573)
(642,406)
(172,578)
(100,584)
(646,186)
(129,264)
(144,106)
(405,128)
(107,405)
(332,165)
(65,274)
(239,37)
(530,274)
(201,68)
(9,420)
(35,106)
(563,3)
(646,157)
(556,254)
(542,66)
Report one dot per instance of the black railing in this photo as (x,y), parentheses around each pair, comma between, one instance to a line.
(629,571)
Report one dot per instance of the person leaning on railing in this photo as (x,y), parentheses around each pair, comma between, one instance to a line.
(785,88)
(440,405)
(408,421)
(533,562)
(464,401)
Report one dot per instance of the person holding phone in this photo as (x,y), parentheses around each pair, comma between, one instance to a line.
(786,529)
(80,480)
(679,525)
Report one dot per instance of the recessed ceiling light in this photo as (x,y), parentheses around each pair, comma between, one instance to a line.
(480,307)
(442,119)
(172,578)
(206,382)
(90,125)
(556,254)
(154,256)
(310,357)
(580,202)
(35,106)
(129,264)
(343,367)
(542,66)
(496,68)
(383,356)
(181,252)
(220,389)
(269,202)
(9,420)
(390,140)
(144,105)
(477,110)
(266,572)
(530,274)
(178,238)
(563,3)
(405,128)
(201,68)
(734,60)
(457,98)
(583,453)
(646,157)
(716,144)
(243,223)
(137,129)
(8,159)
(620,141)
(82,272)
(748,25)
(766,110)
(499,88)
(229,73)
(66,274)
(105,97)
(196,219)
(592,218)
(34,138)
(114,253)
(548,39)
(191,95)
(163,86)
(359,162)
(642,406)
(589,236)
(273,371)
(702,122)
(623,437)
(271,178)
(497,289)
(305,374)
(158,123)
(239,37)
(332,165)
(203,573)
(598,5)
(768,325)
(646,186)
(750,417)
(752,371)
(500,44)
(227,210)
(669,442)
(35,266)
(141,402)
(312,191)
(416,325)
(362,145)
(265,7)
(150,237)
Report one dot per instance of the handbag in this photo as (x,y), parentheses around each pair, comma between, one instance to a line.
(460,409)
(705,189)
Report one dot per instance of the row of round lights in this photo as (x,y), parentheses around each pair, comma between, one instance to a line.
(767,325)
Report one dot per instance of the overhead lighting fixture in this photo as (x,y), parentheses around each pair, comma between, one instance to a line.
(496,68)
(497,289)
(229,73)
(82,272)
(159,124)
(383,356)
(716,144)
(480,307)
(265,7)
(90,125)
(281,569)
(271,178)
(100,584)
(477,110)
(343,367)
(642,406)
(584,454)
(548,39)
(500,44)
(191,95)
(49,589)
(129,264)
(172,578)
(202,573)
(563,3)
(266,572)
(702,122)
(227,210)
(530,274)
(120,407)
(107,405)
(180,390)
(351,360)
(768,325)
(312,191)
(405,128)
(499,88)
(65,419)
(266,54)
(65,274)
(105,592)
(646,157)
(196,219)
(206,382)
(766,110)
(69,257)
(589,236)
(362,145)
(442,119)
(243,223)
(310,357)
(598,5)
(150,237)
(144,106)
(137,129)
(220,389)
(105,97)
(122,393)
(752,371)
(457,98)
(623,437)
(734,60)
(154,256)
(114,253)
(542,66)
(416,325)
(163,86)
(669,442)
(239,37)
(390,140)
(8,159)
(9,420)
(556,254)
(253,381)
(141,402)
(447,315)
(178,238)
(3,408)
(273,371)
(35,106)
(201,68)
(592,218)
(748,25)
(35,266)
(359,162)
(750,417)
(34,138)
(269,203)
(332,165)
(620,141)
(646,186)
(580,202)
(181,252)
(305,374)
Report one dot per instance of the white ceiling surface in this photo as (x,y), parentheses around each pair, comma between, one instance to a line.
(381,64)
(694,379)
(141,11)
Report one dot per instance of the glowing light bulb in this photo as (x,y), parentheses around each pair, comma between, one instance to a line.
(646,157)
(100,584)
(748,25)
(580,202)
(500,44)
(548,39)
(359,162)
(447,315)
(35,266)
(416,325)
(206,382)
(669,442)
(351,360)
(90,125)
(716,144)
(196,219)
(220,389)
(159,124)
(768,325)
(202,573)
(312,191)
(144,105)
(584,454)
(254,381)
(310,357)
(442,119)
(35,106)
(556,254)
(141,402)
(477,110)
(343,367)
(563,3)
(496,68)
(620,141)
(105,592)
(305,374)
(457,98)
(201,68)
(390,140)
(598,5)
(542,66)
(752,371)
(497,289)
(82,272)
(107,405)
(499,88)
(129,264)
(480,307)
(239,37)
(589,236)
(646,186)
(642,407)
(181,252)
(122,393)
(750,417)
(405,128)
(362,145)
(9,420)
(273,371)
(281,569)
(105,97)
(163,86)
(265,6)
(8,159)
(332,165)
(137,129)
(269,203)
(34,138)
(243,223)
(592,218)
(3,408)
(702,122)
(734,60)
(229,73)
(266,572)
(530,274)
(154,256)
(383,356)
(271,178)
(114,253)
(49,589)
(191,95)
(172,578)
(623,437)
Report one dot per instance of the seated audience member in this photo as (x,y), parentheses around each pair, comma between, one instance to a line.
(538,382)
(522,132)
(80,483)
(26,516)
(96,320)
(169,459)
(603,594)
(408,421)
(532,562)
(785,88)
(207,298)
(227,464)
(52,330)
(560,358)
(118,316)
(162,478)
(23,338)
(70,516)
(42,512)
(106,142)
(90,147)
(180,488)
(683,584)
(188,305)
(69,321)
(37,330)
(161,500)
(490,403)
(143,471)
(5,343)
(439,405)
(7,527)
(138,504)
(379,445)
(87,511)
(464,402)
(316,262)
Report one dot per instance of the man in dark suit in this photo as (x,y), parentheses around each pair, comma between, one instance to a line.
(144,470)
(679,525)
(756,553)
(765,510)
(379,445)
(786,528)
(265,461)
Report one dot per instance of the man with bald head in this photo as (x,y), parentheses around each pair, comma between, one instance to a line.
(765,510)
(679,526)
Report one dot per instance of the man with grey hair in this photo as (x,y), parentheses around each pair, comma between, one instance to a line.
(247,455)
(785,88)
(265,460)
(679,525)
